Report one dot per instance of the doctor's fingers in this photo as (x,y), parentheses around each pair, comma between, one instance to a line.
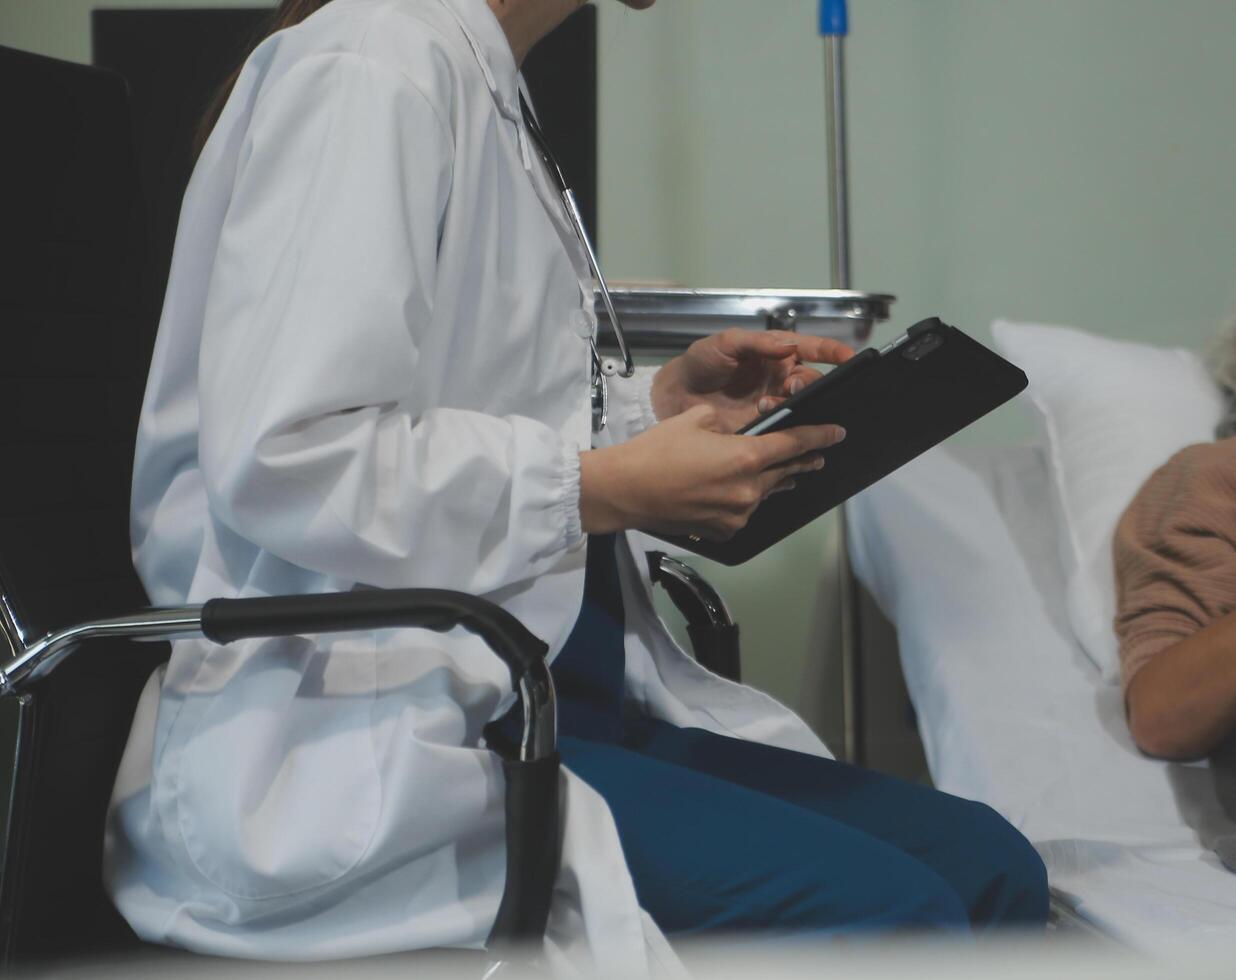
(776,448)
(813,350)
(781,477)
(765,345)
(799,378)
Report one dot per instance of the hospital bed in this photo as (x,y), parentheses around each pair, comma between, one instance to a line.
(958,549)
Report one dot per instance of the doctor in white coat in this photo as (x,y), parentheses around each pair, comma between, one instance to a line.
(373,370)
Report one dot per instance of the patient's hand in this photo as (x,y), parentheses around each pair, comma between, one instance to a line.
(741,373)
(1182,703)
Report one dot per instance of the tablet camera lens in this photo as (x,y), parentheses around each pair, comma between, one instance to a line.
(920,348)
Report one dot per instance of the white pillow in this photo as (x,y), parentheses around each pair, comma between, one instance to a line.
(1114,412)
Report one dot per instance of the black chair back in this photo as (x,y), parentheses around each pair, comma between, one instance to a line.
(75,339)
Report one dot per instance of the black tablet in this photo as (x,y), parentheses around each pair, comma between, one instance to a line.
(895,404)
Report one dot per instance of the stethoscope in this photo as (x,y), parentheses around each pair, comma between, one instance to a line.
(602,367)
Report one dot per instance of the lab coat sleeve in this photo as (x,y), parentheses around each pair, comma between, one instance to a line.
(323,281)
(630,404)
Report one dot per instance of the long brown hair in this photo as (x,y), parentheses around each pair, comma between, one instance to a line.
(287,14)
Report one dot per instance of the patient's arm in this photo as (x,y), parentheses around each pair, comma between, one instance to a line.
(1182,702)
(1175,563)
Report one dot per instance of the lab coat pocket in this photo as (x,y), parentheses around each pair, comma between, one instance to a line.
(277,787)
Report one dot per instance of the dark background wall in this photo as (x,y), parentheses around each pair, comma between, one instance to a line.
(174,60)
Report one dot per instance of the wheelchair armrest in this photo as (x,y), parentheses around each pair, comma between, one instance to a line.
(532,799)
(227,620)
(713,632)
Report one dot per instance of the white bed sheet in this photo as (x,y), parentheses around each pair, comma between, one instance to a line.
(958,549)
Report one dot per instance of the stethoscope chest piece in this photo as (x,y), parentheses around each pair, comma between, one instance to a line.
(600,403)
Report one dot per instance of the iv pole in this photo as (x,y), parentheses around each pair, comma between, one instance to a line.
(834,26)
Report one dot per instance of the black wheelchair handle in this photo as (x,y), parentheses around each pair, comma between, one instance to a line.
(227,620)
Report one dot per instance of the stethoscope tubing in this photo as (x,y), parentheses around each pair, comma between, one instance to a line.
(606,367)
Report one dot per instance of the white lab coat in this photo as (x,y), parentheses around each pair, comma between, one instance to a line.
(372,370)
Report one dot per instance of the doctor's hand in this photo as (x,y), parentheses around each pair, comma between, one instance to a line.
(742,373)
(690,475)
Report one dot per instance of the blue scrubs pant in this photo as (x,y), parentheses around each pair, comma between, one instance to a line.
(722,834)
(725,835)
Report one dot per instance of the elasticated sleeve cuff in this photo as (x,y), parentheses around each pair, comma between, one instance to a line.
(569,499)
(647,414)
(630,405)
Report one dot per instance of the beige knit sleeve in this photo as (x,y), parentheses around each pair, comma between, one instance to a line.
(1174,557)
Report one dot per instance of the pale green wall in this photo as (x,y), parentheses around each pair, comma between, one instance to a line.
(1071,160)
(1061,160)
